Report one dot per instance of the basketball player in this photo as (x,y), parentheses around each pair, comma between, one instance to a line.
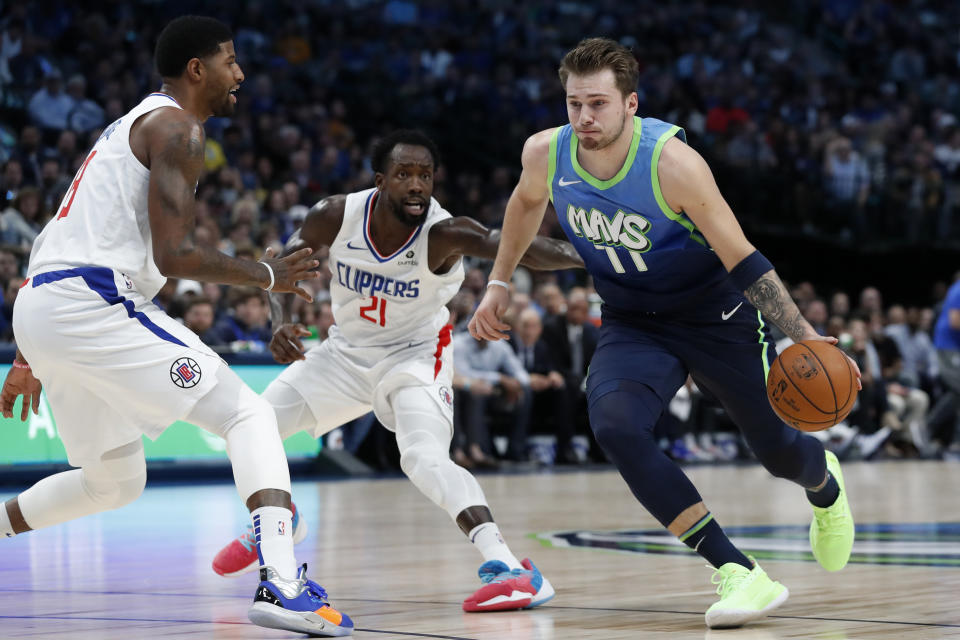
(395,255)
(684,292)
(114,365)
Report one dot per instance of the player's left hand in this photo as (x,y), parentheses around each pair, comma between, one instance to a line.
(286,345)
(834,341)
(20,382)
(486,323)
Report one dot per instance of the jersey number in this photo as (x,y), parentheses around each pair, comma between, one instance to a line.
(372,308)
(618,265)
(65,209)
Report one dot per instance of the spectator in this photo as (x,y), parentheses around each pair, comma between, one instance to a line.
(871,414)
(816,314)
(920,368)
(18,222)
(12,180)
(50,106)
(847,186)
(85,114)
(840,304)
(551,406)
(946,339)
(492,377)
(908,403)
(572,339)
(198,316)
(248,327)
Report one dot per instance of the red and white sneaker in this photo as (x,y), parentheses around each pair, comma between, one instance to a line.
(504,590)
(240,556)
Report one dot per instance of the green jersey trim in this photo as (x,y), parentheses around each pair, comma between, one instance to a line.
(766,346)
(624,170)
(552,162)
(655,178)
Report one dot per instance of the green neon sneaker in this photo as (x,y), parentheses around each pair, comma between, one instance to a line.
(745,595)
(831,532)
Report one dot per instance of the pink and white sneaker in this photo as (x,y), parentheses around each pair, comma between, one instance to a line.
(240,556)
(504,589)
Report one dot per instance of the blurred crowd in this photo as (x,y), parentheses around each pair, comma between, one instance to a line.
(834,119)
(511,394)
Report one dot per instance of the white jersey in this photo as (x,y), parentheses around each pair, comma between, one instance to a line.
(103,219)
(381,300)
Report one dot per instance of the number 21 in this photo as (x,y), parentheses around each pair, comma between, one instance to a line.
(372,307)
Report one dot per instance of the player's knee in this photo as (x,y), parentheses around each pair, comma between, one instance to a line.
(113,493)
(623,418)
(424,467)
(129,490)
(252,412)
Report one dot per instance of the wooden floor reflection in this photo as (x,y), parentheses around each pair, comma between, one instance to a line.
(400,568)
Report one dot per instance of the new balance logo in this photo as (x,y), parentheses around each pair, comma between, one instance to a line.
(726,316)
(565,183)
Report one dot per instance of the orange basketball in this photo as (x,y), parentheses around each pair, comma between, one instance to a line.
(812,385)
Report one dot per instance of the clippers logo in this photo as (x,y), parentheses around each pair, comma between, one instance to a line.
(805,366)
(446,396)
(185,373)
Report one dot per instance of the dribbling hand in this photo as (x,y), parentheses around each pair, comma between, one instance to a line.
(291,269)
(20,382)
(286,345)
(834,341)
(486,323)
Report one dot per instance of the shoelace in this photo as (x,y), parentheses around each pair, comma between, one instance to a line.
(316,591)
(727,582)
(828,519)
(487,578)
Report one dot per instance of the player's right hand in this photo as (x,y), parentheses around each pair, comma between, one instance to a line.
(291,269)
(20,382)
(486,323)
(286,345)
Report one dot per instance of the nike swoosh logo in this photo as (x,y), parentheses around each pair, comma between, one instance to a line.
(699,542)
(726,316)
(350,246)
(562,183)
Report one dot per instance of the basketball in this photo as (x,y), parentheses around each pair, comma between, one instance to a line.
(812,385)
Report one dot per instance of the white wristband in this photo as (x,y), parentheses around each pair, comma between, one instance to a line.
(499,283)
(272,280)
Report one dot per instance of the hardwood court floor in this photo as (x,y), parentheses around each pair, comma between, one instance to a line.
(400,568)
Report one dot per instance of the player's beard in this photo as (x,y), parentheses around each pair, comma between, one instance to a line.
(225,108)
(410,220)
(603,143)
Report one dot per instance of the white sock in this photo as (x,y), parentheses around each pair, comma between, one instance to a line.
(273,531)
(6,529)
(487,539)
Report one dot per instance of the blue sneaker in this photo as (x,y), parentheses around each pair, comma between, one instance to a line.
(296,605)
(504,589)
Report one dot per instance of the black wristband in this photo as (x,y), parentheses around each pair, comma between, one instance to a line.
(749,270)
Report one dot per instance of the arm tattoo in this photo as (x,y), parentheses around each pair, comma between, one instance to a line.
(772,299)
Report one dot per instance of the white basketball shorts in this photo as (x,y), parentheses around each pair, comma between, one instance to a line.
(341,382)
(113,365)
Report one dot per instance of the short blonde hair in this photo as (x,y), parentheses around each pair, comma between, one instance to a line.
(596,54)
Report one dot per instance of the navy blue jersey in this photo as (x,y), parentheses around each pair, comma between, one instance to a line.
(643,256)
